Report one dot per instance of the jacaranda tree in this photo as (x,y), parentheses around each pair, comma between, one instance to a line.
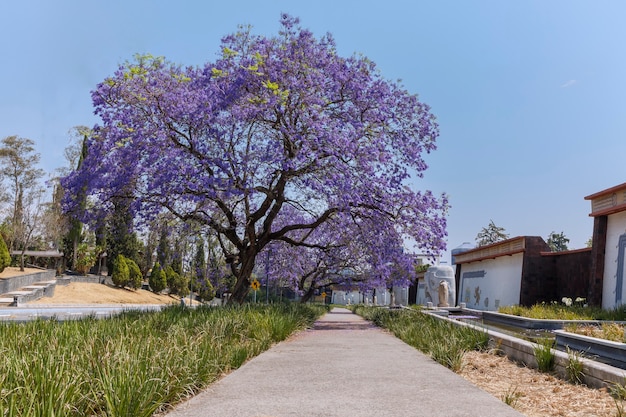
(274,122)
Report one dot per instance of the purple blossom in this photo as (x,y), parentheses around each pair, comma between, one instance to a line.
(275,139)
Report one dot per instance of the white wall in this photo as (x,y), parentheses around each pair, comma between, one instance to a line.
(616,227)
(491,283)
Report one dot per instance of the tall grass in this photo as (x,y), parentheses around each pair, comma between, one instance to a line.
(134,364)
(544,355)
(443,341)
(558,311)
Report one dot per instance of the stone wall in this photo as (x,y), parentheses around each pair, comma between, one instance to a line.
(15,283)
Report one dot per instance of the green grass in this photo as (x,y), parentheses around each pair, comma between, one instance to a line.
(544,354)
(445,342)
(135,364)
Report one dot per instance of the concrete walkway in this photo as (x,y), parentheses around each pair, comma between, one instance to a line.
(344,366)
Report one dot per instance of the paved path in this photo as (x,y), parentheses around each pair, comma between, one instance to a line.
(344,366)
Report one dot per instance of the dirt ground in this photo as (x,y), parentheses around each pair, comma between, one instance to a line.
(12,272)
(532,393)
(86,293)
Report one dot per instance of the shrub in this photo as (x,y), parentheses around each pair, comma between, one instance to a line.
(121,272)
(544,355)
(157,278)
(177,283)
(86,258)
(574,367)
(204,289)
(5,256)
(135,277)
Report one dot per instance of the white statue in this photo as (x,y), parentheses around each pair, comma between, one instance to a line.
(434,293)
(443,294)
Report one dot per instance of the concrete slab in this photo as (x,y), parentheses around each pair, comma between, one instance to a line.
(344,366)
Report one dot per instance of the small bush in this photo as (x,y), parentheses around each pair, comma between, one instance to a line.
(157,279)
(135,277)
(204,289)
(177,283)
(121,272)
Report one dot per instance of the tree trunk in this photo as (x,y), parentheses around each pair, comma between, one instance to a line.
(308,294)
(242,286)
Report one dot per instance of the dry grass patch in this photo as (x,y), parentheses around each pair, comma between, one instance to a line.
(77,293)
(536,394)
(12,271)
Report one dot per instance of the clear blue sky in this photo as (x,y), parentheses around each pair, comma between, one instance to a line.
(530,95)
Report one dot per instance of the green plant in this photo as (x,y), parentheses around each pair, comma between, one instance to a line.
(5,256)
(204,290)
(134,364)
(511,396)
(135,278)
(86,257)
(544,355)
(157,278)
(121,273)
(574,367)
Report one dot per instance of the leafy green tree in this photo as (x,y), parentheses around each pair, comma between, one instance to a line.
(557,242)
(491,234)
(157,278)
(135,277)
(5,256)
(121,273)
(177,283)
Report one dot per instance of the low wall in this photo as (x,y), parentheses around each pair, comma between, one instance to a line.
(89,279)
(15,283)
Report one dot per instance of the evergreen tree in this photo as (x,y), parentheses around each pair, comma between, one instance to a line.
(135,278)
(120,237)
(120,274)
(163,249)
(157,278)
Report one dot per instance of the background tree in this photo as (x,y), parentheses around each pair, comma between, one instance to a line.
(491,234)
(18,167)
(557,242)
(273,123)
(75,154)
(121,239)
(5,256)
